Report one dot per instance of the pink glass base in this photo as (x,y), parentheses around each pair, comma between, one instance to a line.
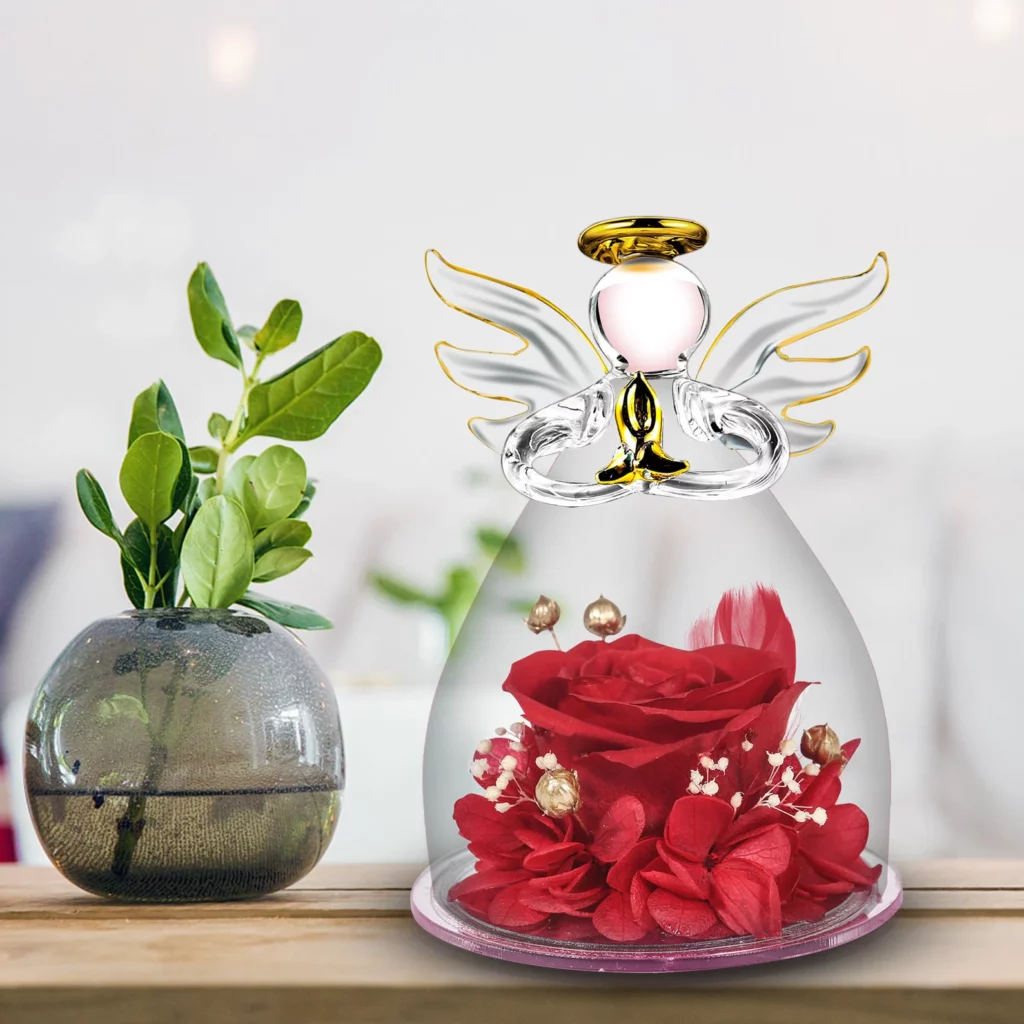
(860,914)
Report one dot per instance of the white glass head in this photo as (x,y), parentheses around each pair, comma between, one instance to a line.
(647,312)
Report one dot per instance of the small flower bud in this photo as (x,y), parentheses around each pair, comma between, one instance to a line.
(558,793)
(820,816)
(543,615)
(508,763)
(800,816)
(603,618)
(821,744)
(775,760)
(492,793)
(736,799)
(709,788)
(483,747)
(773,800)
(502,808)
(747,746)
(723,763)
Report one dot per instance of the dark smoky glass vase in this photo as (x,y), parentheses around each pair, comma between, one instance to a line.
(184,754)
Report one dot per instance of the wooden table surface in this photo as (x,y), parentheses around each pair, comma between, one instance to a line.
(341,946)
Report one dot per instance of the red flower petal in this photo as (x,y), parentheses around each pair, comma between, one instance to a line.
(639,893)
(679,916)
(619,829)
(801,908)
(614,919)
(482,880)
(695,823)
(508,911)
(771,849)
(549,858)
(746,898)
(620,874)
(841,839)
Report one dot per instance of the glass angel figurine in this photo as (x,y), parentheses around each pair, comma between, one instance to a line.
(681,794)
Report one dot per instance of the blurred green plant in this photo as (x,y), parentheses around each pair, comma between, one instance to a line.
(452,599)
(238,522)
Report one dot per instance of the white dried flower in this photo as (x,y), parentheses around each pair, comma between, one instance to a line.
(695,776)
(548,762)
(820,816)
(517,746)
(723,763)
(501,730)
(736,799)
(483,747)
(478,769)
(709,788)
(747,746)
(693,787)
(812,769)
(518,728)
(502,808)
(773,800)
(492,793)
(508,763)
(775,760)
(706,762)
(788,747)
(800,815)
(503,781)
(793,786)
(787,776)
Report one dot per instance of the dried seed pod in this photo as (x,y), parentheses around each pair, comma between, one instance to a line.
(821,745)
(558,792)
(603,618)
(543,615)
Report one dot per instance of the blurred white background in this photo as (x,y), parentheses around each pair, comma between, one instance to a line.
(316,150)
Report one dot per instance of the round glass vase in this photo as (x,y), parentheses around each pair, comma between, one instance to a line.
(184,754)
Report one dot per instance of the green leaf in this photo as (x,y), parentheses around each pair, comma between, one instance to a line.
(149,476)
(294,616)
(504,550)
(277,481)
(204,458)
(304,401)
(281,328)
(122,705)
(216,558)
(218,426)
(307,499)
(236,483)
(154,410)
(402,593)
(279,562)
(95,505)
(454,604)
(210,319)
(186,479)
(246,334)
(206,490)
(135,560)
(290,533)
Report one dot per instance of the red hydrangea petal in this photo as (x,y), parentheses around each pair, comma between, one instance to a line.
(802,908)
(508,911)
(695,823)
(620,874)
(551,857)
(771,849)
(841,839)
(614,919)
(639,893)
(481,880)
(746,898)
(619,829)
(679,916)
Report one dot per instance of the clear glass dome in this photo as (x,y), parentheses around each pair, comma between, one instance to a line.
(709,784)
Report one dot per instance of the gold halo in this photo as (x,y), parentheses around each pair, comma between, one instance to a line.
(611,241)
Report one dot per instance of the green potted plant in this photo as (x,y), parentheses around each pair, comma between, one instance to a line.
(190,748)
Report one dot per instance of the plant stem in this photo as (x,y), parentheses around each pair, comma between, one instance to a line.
(230,440)
(151,585)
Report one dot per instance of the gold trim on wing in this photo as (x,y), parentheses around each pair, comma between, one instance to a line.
(864,350)
(511,355)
